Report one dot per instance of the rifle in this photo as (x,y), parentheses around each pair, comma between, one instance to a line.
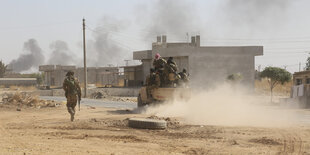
(79,102)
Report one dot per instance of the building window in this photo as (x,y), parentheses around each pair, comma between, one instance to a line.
(53,81)
(308,81)
(298,81)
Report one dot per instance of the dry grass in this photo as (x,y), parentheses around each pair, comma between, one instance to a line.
(24,88)
(99,85)
(263,87)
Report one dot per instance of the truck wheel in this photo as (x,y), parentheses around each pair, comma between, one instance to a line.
(143,123)
(140,104)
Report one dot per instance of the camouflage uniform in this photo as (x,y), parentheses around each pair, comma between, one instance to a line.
(73,93)
(183,78)
(152,82)
(159,65)
(170,73)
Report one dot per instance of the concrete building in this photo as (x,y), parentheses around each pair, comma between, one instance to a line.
(100,76)
(302,77)
(133,76)
(207,65)
(300,92)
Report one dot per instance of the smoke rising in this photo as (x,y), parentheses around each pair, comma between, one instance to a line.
(105,48)
(176,18)
(32,58)
(256,14)
(228,106)
(61,54)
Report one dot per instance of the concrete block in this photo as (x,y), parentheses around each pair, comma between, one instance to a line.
(46,68)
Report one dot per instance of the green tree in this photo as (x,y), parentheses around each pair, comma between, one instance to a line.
(2,69)
(275,76)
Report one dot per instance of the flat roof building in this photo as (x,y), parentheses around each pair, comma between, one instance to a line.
(206,65)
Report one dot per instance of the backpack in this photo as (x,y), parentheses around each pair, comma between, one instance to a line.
(71,86)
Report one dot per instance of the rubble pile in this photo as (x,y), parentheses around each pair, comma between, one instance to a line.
(99,95)
(27,100)
(106,96)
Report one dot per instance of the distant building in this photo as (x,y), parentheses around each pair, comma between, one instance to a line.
(133,76)
(300,92)
(100,76)
(302,77)
(207,65)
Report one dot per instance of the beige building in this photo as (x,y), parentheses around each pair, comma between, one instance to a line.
(133,76)
(301,77)
(300,92)
(100,76)
(207,65)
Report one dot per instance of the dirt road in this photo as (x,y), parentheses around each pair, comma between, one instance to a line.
(105,131)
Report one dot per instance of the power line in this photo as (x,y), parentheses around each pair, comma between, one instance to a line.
(39,25)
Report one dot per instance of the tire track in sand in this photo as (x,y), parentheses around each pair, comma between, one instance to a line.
(292,142)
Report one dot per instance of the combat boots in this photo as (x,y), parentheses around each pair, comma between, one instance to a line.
(72,112)
(72,117)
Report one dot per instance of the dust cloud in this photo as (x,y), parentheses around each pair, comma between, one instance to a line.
(226,105)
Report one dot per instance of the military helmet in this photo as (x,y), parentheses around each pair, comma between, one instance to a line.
(70,73)
(170,59)
(184,70)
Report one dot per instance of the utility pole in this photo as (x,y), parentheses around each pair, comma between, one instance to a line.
(299,66)
(85,67)
(126,62)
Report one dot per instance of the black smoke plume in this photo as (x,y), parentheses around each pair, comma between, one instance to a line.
(32,58)
(61,54)
(105,49)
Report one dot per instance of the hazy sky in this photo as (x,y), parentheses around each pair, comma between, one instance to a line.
(121,26)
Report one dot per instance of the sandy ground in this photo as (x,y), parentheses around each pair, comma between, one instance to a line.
(105,131)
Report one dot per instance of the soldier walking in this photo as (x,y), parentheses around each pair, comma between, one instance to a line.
(72,90)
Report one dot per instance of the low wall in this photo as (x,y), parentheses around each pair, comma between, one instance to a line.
(125,92)
(18,82)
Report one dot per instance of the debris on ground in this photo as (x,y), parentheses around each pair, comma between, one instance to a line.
(97,95)
(266,141)
(123,99)
(27,100)
(106,96)
(171,122)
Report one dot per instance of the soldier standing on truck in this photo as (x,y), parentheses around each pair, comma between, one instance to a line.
(170,72)
(72,90)
(183,78)
(159,64)
(152,82)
